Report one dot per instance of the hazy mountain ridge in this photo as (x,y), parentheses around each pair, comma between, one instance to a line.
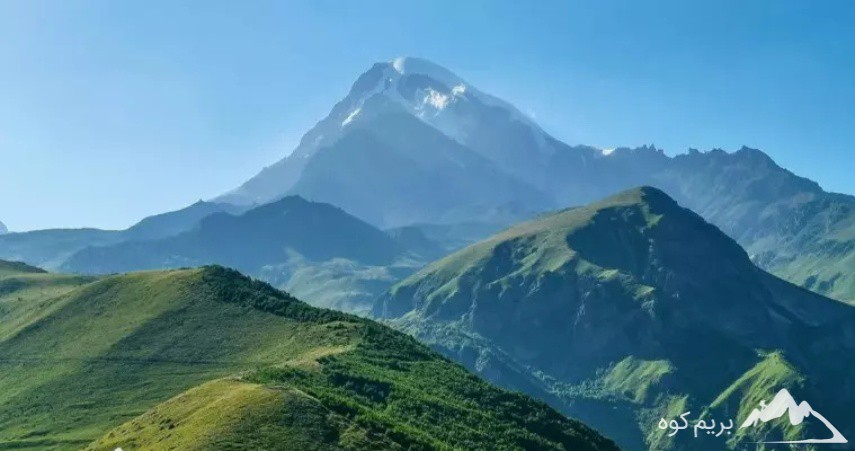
(209,359)
(172,223)
(313,249)
(627,306)
(787,223)
(51,248)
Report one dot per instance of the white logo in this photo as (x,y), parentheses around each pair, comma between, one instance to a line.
(783,403)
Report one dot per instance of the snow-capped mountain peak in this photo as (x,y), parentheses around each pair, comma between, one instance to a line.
(421,87)
(449,87)
(485,124)
(447,102)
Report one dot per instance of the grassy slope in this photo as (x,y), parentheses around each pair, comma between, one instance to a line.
(207,359)
(28,294)
(828,273)
(540,247)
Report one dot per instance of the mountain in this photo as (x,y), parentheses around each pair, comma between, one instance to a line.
(3,229)
(409,143)
(628,309)
(416,240)
(209,359)
(313,249)
(51,248)
(412,143)
(175,222)
(788,224)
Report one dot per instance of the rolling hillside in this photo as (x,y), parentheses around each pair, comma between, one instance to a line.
(209,359)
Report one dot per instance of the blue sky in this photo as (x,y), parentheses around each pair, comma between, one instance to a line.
(111,111)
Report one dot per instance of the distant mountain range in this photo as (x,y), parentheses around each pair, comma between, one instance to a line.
(628,308)
(313,249)
(3,228)
(51,248)
(208,359)
(261,236)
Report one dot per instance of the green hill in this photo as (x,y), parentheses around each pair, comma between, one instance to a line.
(627,310)
(209,359)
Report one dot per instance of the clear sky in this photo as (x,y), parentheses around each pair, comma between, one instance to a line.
(114,110)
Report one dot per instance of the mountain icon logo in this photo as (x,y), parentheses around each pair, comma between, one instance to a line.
(783,403)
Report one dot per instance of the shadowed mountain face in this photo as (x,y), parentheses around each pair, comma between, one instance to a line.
(207,359)
(511,146)
(413,142)
(788,224)
(261,236)
(625,309)
(394,169)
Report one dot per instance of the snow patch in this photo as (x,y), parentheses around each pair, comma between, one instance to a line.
(437,99)
(401,66)
(398,64)
(607,152)
(350,117)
